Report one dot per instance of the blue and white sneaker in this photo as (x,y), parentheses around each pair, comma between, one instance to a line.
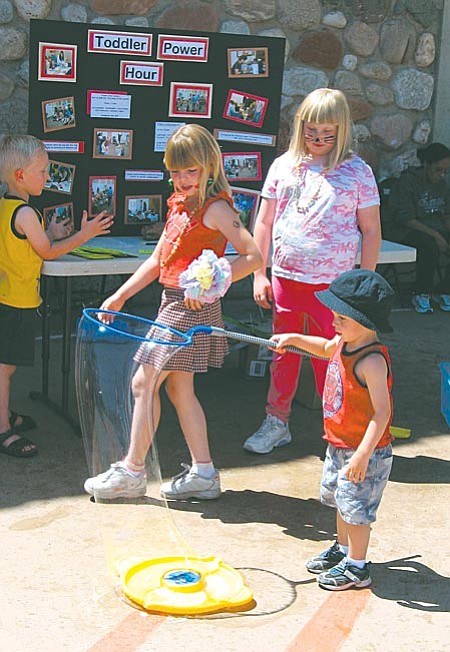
(443,301)
(344,576)
(326,560)
(422,304)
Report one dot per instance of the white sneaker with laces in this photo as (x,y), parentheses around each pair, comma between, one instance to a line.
(117,482)
(271,434)
(443,301)
(188,484)
(421,303)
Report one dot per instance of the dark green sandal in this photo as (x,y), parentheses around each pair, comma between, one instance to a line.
(16,448)
(27,422)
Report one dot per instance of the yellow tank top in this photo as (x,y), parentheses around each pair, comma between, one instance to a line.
(20,266)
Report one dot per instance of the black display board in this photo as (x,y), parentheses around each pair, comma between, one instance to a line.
(142,82)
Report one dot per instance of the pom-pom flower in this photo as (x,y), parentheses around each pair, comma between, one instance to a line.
(207,277)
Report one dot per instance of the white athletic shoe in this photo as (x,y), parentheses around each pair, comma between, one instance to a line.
(188,484)
(117,482)
(272,433)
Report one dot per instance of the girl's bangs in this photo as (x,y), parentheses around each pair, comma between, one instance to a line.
(179,161)
(180,155)
(322,114)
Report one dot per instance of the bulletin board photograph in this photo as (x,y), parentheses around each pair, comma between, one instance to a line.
(131,88)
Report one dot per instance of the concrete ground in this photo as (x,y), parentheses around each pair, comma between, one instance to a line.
(57,593)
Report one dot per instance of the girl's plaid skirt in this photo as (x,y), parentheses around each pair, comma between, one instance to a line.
(205,351)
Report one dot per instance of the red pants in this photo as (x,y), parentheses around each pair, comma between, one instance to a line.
(296,310)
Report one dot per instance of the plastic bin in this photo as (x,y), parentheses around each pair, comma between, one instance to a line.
(254,361)
(445,391)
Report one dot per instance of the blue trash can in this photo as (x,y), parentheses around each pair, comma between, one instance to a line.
(445,391)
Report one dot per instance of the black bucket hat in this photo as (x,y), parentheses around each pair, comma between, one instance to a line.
(362,295)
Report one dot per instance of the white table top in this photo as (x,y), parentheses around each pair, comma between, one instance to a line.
(68,265)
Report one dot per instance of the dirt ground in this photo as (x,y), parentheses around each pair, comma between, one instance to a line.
(57,594)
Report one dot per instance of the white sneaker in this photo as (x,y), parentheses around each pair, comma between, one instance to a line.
(421,303)
(272,434)
(188,484)
(117,482)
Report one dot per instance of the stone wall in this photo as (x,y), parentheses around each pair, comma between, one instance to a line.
(381,53)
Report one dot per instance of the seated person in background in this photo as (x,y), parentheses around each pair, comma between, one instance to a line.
(419,203)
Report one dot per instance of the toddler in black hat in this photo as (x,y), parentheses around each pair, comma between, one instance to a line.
(357,409)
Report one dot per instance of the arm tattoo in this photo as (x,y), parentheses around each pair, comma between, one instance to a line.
(236,224)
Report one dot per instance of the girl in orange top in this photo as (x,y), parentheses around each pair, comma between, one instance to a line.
(201,217)
(357,407)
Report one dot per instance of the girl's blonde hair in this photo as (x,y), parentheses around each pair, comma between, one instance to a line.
(192,145)
(16,152)
(323,106)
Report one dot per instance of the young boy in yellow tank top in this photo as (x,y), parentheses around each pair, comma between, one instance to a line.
(24,244)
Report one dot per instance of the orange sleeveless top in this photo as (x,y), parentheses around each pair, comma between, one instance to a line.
(347,408)
(195,237)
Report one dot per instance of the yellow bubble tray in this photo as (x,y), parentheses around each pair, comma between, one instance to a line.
(185,585)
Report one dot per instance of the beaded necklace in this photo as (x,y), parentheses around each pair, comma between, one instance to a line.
(190,215)
(304,207)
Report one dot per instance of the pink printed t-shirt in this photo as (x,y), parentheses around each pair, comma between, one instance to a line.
(319,244)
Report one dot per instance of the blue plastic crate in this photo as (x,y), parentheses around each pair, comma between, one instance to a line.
(445,391)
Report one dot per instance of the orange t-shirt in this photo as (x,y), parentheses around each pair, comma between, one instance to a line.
(347,408)
(196,237)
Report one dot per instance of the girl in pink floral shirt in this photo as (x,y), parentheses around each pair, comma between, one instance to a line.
(319,201)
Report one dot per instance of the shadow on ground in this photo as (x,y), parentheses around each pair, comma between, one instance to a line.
(411,584)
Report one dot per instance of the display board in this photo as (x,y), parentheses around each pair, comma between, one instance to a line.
(105,99)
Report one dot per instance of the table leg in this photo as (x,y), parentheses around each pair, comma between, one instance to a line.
(45,352)
(66,342)
(44,312)
(44,394)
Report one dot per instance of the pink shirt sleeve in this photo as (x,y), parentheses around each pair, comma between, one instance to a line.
(368,194)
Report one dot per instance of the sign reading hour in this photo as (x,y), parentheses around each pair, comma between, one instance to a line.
(141,73)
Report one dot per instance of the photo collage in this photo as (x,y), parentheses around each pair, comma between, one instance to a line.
(106,136)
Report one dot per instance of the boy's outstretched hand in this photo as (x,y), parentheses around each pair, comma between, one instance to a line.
(98,225)
(59,230)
